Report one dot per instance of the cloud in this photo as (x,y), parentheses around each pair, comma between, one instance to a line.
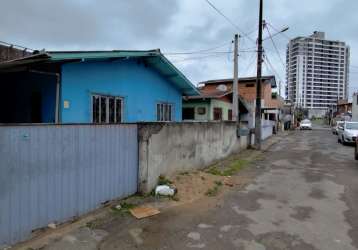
(84,23)
(174,26)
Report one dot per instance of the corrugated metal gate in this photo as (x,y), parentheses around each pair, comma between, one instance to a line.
(53,173)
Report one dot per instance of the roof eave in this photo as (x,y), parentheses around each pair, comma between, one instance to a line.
(193,91)
(177,78)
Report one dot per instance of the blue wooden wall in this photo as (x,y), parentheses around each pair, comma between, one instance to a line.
(141,87)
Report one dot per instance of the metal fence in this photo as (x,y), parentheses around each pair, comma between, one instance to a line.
(51,173)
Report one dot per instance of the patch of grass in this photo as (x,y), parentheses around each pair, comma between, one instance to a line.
(235,167)
(152,193)
(212,191)
(231,169)
(162,180)
(218,183)
(91,225)
(215,190)
(214,171)
(125,207)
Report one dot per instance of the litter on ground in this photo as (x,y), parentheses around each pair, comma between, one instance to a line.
(143,212)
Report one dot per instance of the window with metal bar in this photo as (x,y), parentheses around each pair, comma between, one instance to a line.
(164,112)
(107,109)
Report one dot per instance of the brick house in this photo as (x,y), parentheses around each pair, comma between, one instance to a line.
(11,52)
(343,106)
(271,105)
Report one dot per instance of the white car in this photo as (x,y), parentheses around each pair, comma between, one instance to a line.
(335,127)
(347,132)
(306,124)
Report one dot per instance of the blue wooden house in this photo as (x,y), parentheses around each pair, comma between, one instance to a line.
(92,87)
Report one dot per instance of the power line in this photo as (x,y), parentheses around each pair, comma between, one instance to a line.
(229,49)
(230,21)
(211,54)
(252,61)
(205,53)
(276,49)
(269,64)
(279,32)
(199,51)
(273,71)
(196,53)
(248,34)
(197,58)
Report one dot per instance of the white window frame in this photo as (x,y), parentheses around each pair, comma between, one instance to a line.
(162,117)
(107,97)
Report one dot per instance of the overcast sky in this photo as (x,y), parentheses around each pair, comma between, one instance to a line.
(178,26)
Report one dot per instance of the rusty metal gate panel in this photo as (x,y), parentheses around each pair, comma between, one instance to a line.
(52,173)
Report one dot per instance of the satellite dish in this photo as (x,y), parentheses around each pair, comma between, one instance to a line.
(222,87)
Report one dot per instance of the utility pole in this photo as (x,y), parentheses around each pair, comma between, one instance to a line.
(258,81)
(235,95)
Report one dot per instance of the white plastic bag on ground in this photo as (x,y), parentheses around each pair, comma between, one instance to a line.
(164,190)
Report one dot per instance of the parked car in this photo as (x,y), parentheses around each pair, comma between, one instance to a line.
(306,124)
(335,127)
(347,132)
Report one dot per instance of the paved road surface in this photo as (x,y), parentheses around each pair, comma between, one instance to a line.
(304,196)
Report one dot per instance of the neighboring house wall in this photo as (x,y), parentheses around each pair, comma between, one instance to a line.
(344,108)
(196,104)
(140,86)
(165,149)
(246,90)
(224,106)
(248,119)
(210,105)
(248,93)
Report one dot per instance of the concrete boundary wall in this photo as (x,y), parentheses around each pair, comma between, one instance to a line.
(267,129)
(166,148)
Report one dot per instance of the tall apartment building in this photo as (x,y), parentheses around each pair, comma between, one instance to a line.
(317,72)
